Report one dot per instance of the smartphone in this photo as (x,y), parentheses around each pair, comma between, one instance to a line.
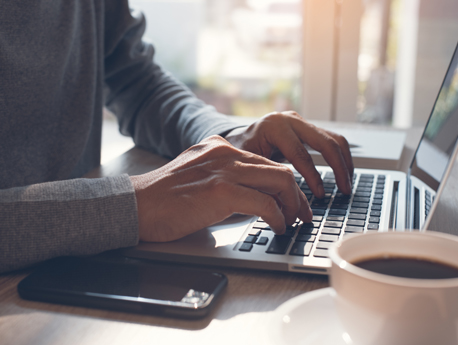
(129,285)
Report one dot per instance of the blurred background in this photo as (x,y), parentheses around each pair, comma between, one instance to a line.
(371,61)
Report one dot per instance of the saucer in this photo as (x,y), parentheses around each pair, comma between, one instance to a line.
(308,319)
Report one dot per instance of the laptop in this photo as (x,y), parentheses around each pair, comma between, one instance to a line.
(381,200)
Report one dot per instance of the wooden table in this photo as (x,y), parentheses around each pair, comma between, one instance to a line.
(241,316)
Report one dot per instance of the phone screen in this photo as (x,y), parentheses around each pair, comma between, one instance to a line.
(133,280)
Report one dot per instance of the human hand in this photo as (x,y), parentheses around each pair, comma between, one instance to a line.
(286,133)
(209,182)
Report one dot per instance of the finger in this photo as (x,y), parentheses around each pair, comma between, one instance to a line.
(249,201)
(295,152)
(345,147)
(278,181)
(324,143)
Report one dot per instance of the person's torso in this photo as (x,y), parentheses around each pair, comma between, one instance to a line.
(51,70)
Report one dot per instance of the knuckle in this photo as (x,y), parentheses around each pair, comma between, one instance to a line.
(301,154)
(293,113)
(332,144)
(273,117)
(289,176)
(342,141)
(219,149)
(219,186)
(269,205)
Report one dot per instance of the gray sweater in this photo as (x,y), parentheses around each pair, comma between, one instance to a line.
(61,61)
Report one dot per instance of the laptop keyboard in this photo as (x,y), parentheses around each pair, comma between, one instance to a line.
(334,216)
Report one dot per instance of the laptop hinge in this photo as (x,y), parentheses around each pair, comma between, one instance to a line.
(394,205)
(416,209)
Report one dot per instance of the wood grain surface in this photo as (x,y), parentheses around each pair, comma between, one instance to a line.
(242,315)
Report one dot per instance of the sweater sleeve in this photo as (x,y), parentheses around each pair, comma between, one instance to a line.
(160,113)
(73,217)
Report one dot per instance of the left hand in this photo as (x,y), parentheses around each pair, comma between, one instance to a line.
(287,132)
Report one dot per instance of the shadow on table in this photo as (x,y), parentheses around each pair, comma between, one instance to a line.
(248,291)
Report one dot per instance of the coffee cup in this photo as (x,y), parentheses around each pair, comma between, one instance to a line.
(394,308)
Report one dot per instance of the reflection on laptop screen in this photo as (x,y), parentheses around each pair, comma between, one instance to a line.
(441,133)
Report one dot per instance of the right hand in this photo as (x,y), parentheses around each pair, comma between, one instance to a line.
(208,183)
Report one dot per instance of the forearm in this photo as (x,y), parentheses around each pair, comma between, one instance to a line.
(74,217)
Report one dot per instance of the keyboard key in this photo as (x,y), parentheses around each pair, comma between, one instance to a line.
(358,210)
(375,213)
(261,226)
(323,201)
(361,199)
(305,238)
(354,229)
(376,207)
(360,204)
(336,218)
(301,248)
(255,232)
(279,245)
(378,196)
(339,206)
(262,241)
(321,253)
(331,231)
(363,194)
(307,225)
(337,212)
(355,222)
(290,231)
(366,176)
(318,207)
(365,184)
(363,190)
(246,247)
(372,226)
(308,231)
(329,238)
(374,220)
(323,245)
(250,239)
(343,196)
(318,212)
(357,216)
(331,224)
(317,218)
(377,202)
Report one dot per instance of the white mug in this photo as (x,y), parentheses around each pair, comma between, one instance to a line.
(379,309)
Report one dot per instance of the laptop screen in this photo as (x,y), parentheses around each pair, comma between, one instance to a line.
(441,133)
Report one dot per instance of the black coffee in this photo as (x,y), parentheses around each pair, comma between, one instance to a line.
(409,267)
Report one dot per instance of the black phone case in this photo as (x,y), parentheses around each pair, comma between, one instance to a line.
(29,288)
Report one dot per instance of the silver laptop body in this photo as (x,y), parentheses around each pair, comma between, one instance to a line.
(406,202)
